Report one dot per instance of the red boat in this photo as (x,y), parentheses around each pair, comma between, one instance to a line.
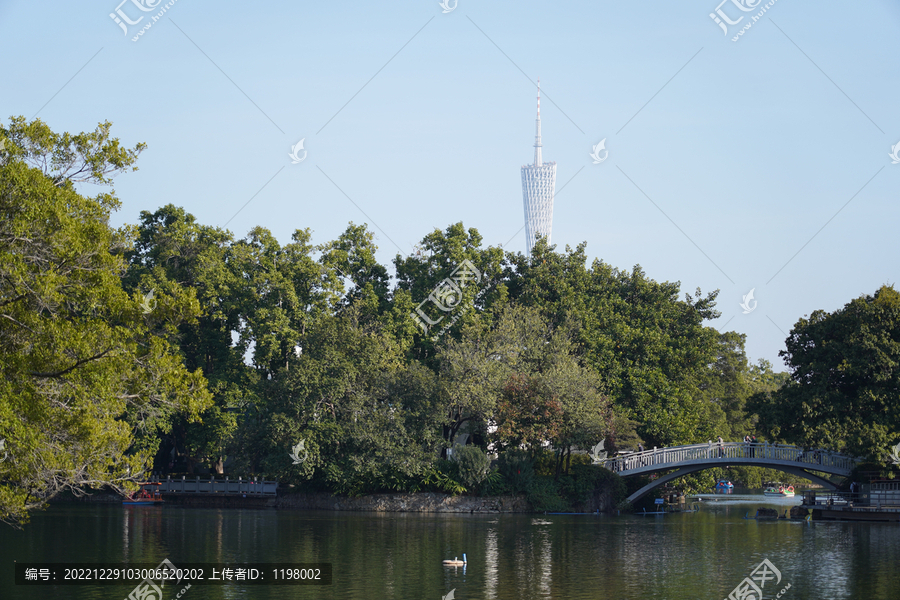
(144,497)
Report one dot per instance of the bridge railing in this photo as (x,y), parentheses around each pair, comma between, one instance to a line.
(730,450)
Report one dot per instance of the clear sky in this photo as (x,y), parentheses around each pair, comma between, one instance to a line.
(761,163)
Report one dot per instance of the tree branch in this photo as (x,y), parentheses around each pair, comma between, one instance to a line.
(75,366)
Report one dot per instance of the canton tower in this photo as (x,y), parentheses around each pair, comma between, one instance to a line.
(538,189)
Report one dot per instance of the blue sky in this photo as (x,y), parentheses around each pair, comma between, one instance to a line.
(761,163)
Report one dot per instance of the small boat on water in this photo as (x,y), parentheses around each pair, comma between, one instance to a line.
(723,485)
(779,491)
(144,497)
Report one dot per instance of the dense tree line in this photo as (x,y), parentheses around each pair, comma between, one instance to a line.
(174,346)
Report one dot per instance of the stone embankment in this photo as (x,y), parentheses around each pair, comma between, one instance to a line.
(393,502)
(397,502)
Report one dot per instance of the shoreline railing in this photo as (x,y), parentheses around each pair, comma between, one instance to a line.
(238,487)
(726,451)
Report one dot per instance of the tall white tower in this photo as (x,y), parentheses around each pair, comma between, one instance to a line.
(538,189)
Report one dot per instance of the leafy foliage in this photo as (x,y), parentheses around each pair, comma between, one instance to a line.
(250,345)
(517,468)
(443,479)
(90,378)
(845,373)
(474,465)
(543,496)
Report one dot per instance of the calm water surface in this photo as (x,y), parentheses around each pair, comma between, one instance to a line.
(701,555)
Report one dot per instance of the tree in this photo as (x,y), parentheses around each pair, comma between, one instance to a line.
(527,414)
(844,379)
(65,158)
(352,257)
(175,253)
(650,349)
(526,376)
(475,368)
(437,256)
(726,388)
(86,387)
(368,417)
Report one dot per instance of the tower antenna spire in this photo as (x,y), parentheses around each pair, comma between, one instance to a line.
(537,135)
(538,189)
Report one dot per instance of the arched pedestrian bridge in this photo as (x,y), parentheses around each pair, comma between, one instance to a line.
(690,459)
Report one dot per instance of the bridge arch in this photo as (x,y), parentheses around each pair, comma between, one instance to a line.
(683,460)
(693,469)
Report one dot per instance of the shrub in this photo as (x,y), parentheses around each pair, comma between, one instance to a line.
(444,477)
(545,463)
(495,484)
(517,469)
(579,459)
(544,496)
(474,465)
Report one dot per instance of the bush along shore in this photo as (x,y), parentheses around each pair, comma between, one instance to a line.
(514,487)
(423,502)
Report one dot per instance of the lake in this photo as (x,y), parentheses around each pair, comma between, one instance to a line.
(700,555)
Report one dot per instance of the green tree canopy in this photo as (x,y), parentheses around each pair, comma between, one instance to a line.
(845,379)
(86,386)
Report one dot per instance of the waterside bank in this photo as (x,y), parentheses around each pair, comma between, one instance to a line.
(391,502)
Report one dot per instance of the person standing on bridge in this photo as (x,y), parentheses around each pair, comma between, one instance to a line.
(721,447)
